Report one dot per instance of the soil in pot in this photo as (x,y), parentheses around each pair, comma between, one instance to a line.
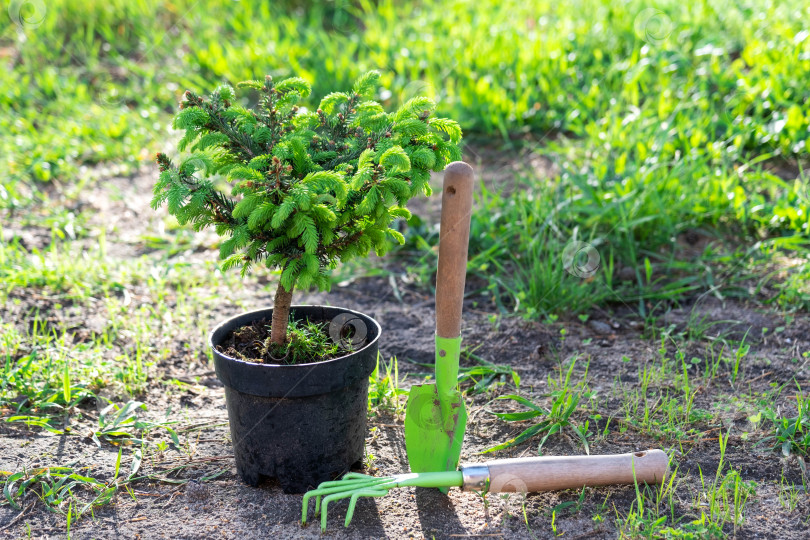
(301,423)
(307,341)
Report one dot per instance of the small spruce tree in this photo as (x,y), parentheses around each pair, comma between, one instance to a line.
(296,190)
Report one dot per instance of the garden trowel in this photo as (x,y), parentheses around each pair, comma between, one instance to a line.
(436,417)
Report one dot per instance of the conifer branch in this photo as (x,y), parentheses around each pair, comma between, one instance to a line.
(308,189)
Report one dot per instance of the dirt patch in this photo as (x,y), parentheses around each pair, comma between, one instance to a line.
(225,507)
(196,491)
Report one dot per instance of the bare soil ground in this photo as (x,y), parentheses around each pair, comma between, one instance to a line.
(614,345)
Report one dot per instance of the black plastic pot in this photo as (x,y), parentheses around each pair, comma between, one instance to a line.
(301,424)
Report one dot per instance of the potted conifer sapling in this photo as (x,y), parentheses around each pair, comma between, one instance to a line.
(299,192)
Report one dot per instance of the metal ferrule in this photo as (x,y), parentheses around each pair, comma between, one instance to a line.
(475,477)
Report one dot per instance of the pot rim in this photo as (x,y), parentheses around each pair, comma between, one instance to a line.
(292,309)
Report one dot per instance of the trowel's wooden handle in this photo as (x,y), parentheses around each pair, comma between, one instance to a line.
(454,237)
(572,472)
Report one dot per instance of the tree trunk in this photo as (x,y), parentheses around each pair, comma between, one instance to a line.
(281,315)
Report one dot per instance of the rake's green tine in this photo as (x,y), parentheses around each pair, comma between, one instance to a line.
(343,495)
(317,493)
(325,504)
(304,506)
(345,482)
(339,485)
(357,481)
(357,475)
(336,497)
(356,485)
(332,487)
(357,494)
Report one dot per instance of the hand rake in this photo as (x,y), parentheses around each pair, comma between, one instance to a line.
(501,475)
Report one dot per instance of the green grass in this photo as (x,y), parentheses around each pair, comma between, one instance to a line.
(565,400)
(485,376)
(689,110)
(727,495)
(385,392)
(588,240)
(52,374)
(789,434)
(720,502)
(73,492)
(666,122)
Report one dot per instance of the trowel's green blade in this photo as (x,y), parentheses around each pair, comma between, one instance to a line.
(436,416)
(433,440)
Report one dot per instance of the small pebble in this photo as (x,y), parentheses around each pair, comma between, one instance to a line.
(627,273)
(196,491)
(599,327)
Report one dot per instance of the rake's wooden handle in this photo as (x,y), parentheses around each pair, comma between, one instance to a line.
(454,237)
(572,472)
